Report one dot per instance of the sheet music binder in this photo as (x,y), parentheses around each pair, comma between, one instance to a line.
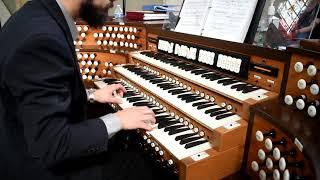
(209,26)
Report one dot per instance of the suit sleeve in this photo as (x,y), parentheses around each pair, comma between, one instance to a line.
(40,80)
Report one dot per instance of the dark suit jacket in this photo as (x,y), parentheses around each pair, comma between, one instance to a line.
(44,132)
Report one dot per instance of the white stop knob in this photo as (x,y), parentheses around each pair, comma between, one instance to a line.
(288,100)
(298,67)
(110,28)
(282,164)
(84,76)
(269,163)
(83,63)
(286,175)
(261,155)
(312,111)
(268,144)
(92,56)
(95,35)
(276,174)
(259,136)
(262,175)
(300,104)
(85,28)
(312,70)
(89,63)
(104,28)
(314,89)
(302,84)
(276,154)
(115,29)
(255,166)
(79,56)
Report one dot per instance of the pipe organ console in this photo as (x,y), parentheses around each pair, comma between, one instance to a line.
(201,96)
(216,102)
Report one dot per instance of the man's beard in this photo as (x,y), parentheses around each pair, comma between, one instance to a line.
(94,16)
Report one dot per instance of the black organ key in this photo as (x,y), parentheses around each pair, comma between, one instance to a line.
(199,71)
(189,97)
(163,124)
(200,103)
(206,106)
(184,136)
(157,111)
(176,92)
(224,116)
(193,144)
(209,111)
(129,94)
(157,81)
(189,140)
(176,131)
(218,113)
(194,99)
(143,104)
(170,128)
(135,99)
(161,120)
(185,95)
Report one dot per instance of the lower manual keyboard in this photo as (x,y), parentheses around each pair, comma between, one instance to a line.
(215,119)
(172,133)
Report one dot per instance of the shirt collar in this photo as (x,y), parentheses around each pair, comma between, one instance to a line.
(70,21)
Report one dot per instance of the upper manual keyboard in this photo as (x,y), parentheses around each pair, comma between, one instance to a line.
(217,82)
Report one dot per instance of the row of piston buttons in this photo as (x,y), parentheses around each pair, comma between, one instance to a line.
(90,77)
(112,36)
(164,108)
(118,44)
(86,56)
(121,29)
(229,107)
(82,29)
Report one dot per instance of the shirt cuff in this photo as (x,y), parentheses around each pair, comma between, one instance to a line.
(112,123)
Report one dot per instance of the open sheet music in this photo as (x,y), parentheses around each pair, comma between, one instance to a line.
(221,19)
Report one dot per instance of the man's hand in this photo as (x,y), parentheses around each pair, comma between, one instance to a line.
(107,94)
(137,117)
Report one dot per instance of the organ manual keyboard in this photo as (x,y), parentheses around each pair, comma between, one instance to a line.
(201,92)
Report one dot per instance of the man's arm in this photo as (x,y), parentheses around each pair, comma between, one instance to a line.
(39,77)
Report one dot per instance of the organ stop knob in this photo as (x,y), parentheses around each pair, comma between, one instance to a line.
(298,67)
(260,136)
